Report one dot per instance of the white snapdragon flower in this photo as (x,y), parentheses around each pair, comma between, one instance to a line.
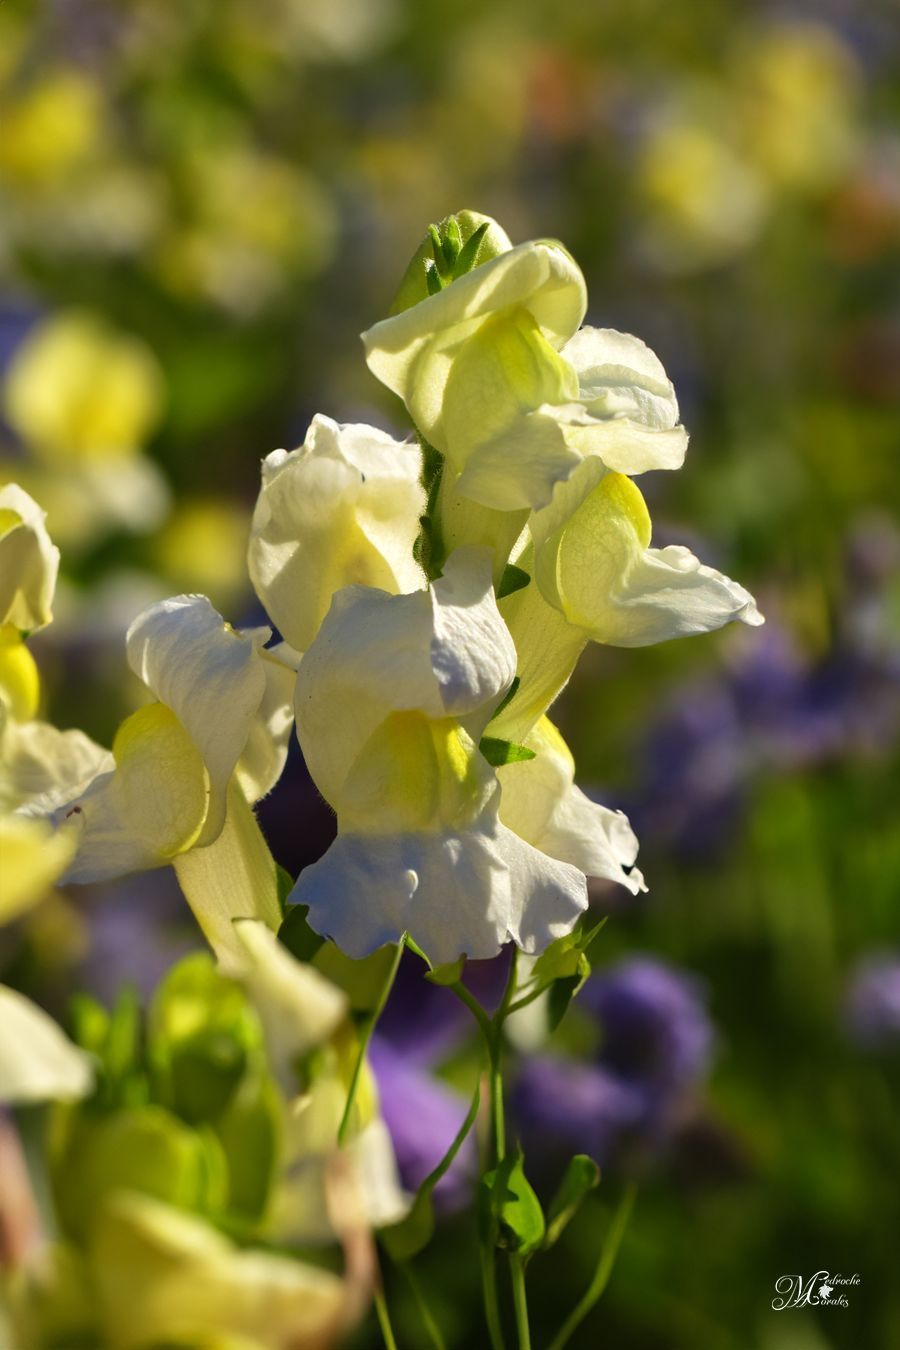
(220,718)
(595,577)
(542,804)
(29,562)
(618,406)
(344,508)
(391,702)
(516,310)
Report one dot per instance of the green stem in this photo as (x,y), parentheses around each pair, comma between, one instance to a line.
(520,1301)
(384,1320)
(365,1036)
(491,1304)
(603,1271)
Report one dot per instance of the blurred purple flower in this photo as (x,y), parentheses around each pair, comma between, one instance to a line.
(656,1049)
(872,1006)
(423,1116)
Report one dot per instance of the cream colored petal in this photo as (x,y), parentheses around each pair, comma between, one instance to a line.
(412,352)
(299,1007)
(210,676)
(341,510)
(33,855)
(445,652)
(38,1062)
(29,562)
(262,760)
(619,376)
(43,767)
(165,1276)
(151,806)
(541,803)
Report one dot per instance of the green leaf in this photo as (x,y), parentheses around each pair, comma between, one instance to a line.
(499,752)
(404,1239)
(510,1213)
(513,579)
(363,980)
(448,973)
(581,1176)
(507,697)
(297,935)
(563,990)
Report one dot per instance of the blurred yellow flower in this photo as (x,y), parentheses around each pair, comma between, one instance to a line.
(76,388)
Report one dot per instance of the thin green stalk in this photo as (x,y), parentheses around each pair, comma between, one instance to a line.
(520,1301)
(384,1320)
(365,1036)
(491,1303)
(604,1270)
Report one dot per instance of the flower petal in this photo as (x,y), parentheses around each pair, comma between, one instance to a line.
(29,561)
(37,1060)
(342,509)
(541,804)
(412,352)
(200,668)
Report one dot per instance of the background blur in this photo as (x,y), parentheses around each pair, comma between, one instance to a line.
(201,206)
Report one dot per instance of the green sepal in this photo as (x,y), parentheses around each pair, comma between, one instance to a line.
(507,697)
(468,255)
(285,884)
(513,579)
(581,1176)
(202,1036)
(499,752)
(447,974)
(297,935)
(362,980)
(114,1039)
(509,1212)
(249,1132)
(563,968)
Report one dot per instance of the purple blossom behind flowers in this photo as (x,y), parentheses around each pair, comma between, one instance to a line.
(872,1005)
(423,1116)
(655,1051)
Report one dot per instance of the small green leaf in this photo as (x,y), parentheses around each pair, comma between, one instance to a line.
(404,1239)
(448,973)
(499,752)
(513,579)
(411,1234)
(563,990)
(297,935)
(510,1213)
(581,1176)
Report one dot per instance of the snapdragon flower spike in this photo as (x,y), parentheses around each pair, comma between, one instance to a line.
(391,702)
(344,508)
(164,790)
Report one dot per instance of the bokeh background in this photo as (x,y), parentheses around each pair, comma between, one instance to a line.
(201,206)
